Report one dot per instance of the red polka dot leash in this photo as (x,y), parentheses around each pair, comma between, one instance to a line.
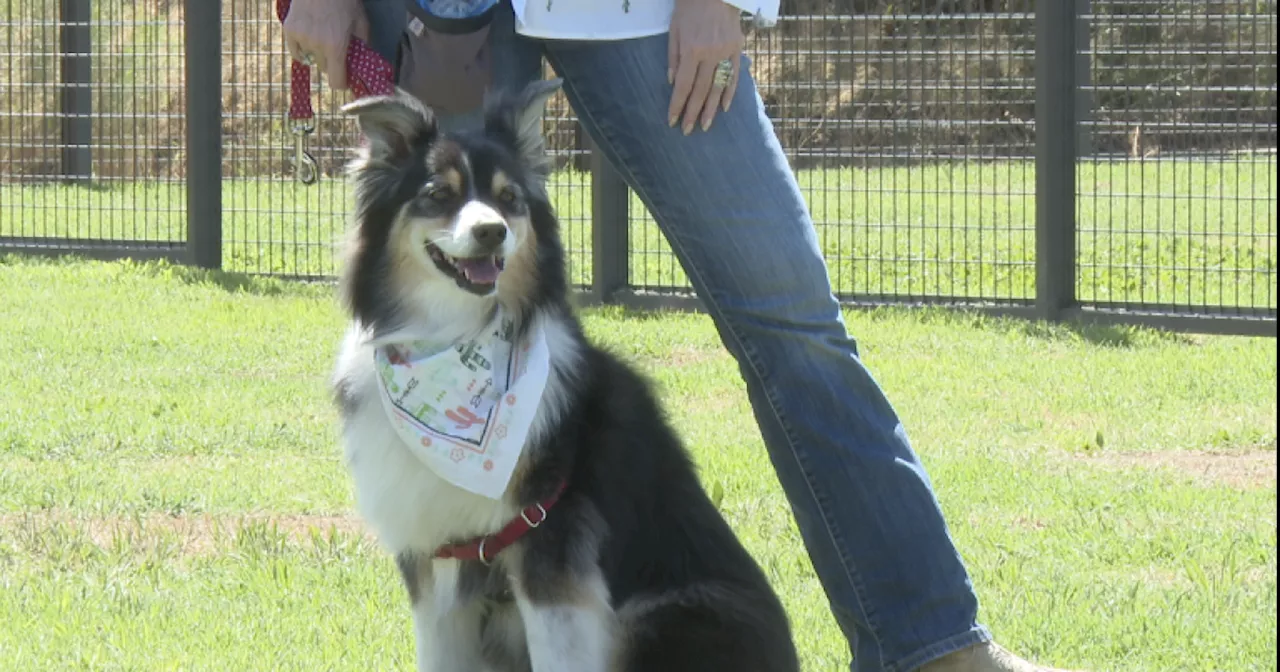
(368,74)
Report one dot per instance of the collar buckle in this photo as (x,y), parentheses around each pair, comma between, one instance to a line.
(480,548)
(542,515)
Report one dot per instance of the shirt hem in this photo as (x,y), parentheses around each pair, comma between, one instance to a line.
(593,36)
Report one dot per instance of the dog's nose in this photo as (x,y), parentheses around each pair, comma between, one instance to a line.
(489,235)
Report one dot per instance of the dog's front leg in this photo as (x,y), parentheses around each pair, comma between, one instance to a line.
(569,624)
(446,625)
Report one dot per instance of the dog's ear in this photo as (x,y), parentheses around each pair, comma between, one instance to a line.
(394,124)
(517,117)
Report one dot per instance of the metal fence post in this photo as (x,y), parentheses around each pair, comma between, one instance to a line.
(76,50)
(610,220)
(1055,68)
(202,30)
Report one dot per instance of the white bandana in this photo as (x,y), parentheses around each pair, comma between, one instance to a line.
(465,410)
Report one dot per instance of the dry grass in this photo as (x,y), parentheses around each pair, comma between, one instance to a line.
(188,535)
(1244,470)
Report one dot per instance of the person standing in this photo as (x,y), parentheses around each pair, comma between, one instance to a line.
(665,90)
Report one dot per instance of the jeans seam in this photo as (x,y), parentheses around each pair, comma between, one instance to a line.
(973,636)
(748,352)
(833,530)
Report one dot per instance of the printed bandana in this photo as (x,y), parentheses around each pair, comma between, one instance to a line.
(465,410)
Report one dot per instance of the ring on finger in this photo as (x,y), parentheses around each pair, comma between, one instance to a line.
(724,72)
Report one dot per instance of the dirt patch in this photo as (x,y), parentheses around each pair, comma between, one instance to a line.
(192,535)
(1244,470)
(1025,523)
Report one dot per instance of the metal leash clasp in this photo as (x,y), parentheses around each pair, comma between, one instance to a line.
(304,164)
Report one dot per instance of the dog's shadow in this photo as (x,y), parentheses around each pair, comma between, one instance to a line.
(232,282)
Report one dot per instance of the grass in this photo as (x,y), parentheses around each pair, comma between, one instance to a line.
(1182,232)
(172,497)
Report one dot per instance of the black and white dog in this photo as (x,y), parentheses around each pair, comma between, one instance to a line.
(587,544)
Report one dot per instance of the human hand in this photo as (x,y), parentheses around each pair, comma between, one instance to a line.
(320,30)
(703,33)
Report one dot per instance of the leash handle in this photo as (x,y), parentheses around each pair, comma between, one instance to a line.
(368,74)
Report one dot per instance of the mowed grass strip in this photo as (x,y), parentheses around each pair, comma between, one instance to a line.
(1167,232)
(172,496)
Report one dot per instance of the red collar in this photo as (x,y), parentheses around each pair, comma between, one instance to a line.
(486,548)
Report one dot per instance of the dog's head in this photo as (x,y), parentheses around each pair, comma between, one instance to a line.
(448,224)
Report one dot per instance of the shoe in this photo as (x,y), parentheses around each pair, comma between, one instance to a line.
(983,658)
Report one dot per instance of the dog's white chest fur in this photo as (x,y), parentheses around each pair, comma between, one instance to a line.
(406,503)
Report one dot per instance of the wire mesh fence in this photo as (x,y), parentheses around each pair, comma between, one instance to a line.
(273,225)
(91,126)
(1177,172)
(912,129)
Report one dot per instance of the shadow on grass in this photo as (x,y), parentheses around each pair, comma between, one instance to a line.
(232,282)
(1110,336)
(1104,335)
(70,183)
(229,281)
(616,311)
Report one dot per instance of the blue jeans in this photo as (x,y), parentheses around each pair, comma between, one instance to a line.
(729,204)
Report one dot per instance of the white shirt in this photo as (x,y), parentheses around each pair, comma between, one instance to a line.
(613,19)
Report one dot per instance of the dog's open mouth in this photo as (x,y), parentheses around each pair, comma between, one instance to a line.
(474,274)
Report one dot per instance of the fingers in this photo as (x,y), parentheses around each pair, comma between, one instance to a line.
(701,40)
(721,94)
(332,61)
(732,89)
(686,73)
(673,55)
(699,96)
(318,36)
(708,112)
(328,58)
(295,49)
(361,29)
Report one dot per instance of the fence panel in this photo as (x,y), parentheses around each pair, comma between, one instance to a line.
(91,132)
(271,222)
(275,225)
(1177,172)
(912,128)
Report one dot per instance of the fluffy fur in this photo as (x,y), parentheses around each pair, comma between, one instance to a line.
(634,569)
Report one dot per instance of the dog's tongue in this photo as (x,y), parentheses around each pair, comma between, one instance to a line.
(480,271)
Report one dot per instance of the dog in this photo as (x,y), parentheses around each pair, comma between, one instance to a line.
(590,544)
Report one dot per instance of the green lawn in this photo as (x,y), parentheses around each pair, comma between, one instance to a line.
(1162,232)
(172,497)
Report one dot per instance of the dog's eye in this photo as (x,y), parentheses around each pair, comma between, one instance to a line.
(437,192)
(507,196)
